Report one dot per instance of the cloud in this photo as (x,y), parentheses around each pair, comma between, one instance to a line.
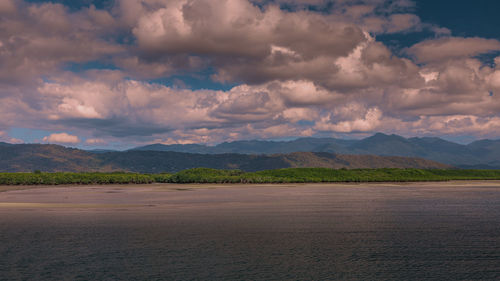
(240,41)
(63,138)
(238,32)
(296,71)
(395,23)
(126,109)
(436,50)
(4,137)
(370,122)
(252,32)
(243,42)
(37,39)
(7,6)
(95,141)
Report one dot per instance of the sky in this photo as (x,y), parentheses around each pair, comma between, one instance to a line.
(123,73)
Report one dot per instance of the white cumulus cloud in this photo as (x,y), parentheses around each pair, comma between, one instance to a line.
(63,138)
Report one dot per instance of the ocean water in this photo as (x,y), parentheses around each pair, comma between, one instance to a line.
(425,231)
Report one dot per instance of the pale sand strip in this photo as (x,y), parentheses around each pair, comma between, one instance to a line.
(188,186)
(66,205)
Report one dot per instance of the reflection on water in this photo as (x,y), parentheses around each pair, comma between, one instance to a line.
(308,232)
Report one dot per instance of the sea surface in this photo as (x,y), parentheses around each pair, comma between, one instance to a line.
(417,231)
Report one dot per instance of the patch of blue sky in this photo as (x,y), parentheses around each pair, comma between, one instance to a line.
(46,79)
(113,145)
(193,83)
(397,42)
(84,66)
(305,123)
(464,18)
(324,7)
(75,5)
(488,58)
(28,135)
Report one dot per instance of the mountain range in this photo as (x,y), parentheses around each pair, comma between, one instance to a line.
(56,158)
(482,154)
(377,151)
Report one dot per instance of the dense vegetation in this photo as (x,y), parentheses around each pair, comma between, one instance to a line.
(298,175)
(289,175)
(80,178)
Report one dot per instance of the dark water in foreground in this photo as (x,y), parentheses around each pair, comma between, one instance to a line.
(305,232)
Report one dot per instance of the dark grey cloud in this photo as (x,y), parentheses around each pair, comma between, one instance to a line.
(116,127)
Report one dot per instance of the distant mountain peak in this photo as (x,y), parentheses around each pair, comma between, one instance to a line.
(54,158)
(385,136)
(433,148)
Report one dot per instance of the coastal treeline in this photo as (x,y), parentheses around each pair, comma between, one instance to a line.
(289,175)
(39,178)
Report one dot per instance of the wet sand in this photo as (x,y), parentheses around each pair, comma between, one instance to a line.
(367,231)
(165,196)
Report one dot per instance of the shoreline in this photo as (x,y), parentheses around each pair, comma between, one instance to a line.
(192,186)
(194,199)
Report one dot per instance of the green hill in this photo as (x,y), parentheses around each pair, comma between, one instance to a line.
(55,158)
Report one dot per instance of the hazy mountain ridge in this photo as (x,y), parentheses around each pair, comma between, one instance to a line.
(47,157)
(479,154)
(55,158)
(253,146)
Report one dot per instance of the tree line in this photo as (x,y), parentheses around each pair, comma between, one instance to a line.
(288,175)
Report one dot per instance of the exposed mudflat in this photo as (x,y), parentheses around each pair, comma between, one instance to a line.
(367,231)
(169,195)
